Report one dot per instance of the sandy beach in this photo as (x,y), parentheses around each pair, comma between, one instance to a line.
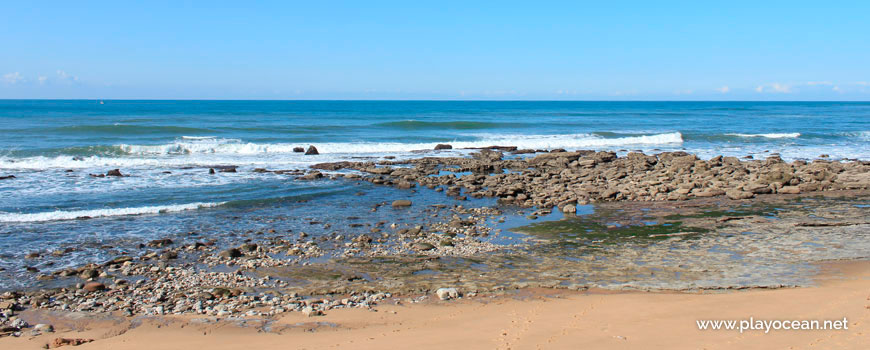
(528,319)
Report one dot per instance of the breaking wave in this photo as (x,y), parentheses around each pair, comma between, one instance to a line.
(96,213)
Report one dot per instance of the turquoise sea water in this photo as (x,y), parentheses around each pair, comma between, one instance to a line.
(51,147)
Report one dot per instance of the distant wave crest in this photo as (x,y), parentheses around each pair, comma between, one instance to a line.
(96,213)
(770,136)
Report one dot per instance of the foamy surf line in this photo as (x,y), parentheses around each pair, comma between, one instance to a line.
(210,151)
(233,146)
(97,213)
(770,136)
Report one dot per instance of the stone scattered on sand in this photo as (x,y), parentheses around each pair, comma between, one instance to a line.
(309,311)
(447,293)
(422,246)
(58,342)
(43,328)
(93,287)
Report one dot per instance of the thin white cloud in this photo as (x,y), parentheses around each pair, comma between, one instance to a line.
(42,79)
(814,83)
(774,88)
(62,75)
(724,89)
(836,88)
(13,78)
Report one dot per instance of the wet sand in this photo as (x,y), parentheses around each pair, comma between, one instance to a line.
(529,319)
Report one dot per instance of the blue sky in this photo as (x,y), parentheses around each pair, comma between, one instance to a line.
(622,50)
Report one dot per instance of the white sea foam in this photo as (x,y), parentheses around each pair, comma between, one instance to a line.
(208,151)
(95,213)
(199,137)
(771,136)
(234,146)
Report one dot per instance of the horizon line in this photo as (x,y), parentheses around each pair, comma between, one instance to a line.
(401,100)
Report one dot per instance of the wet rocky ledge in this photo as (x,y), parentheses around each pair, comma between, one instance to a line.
(563,179)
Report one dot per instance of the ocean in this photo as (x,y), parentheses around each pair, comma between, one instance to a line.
(166,148)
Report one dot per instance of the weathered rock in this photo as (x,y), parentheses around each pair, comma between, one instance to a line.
(157,243)
(314,175)
(311,151)
(42,327)
(93,287)
(58,342)
(447,293)
(114,172)
(248,247)
(118,261)
(88,274)
(758,188)
(569,209)
(401,203)
(738,194)
(441,146)
(7,177)
(422,246)
(332,166)
(298,149)
(789,190)
(230,253)
(308,311)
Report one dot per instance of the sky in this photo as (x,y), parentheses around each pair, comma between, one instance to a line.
(453,50)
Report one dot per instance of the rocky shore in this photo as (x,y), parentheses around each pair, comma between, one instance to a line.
(565,179)
(665,205)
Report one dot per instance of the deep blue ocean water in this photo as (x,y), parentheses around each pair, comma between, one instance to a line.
(51,147)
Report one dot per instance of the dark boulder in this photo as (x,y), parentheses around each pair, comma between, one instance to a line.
(230,253)
(441,146)
(114,172)
(311,151)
